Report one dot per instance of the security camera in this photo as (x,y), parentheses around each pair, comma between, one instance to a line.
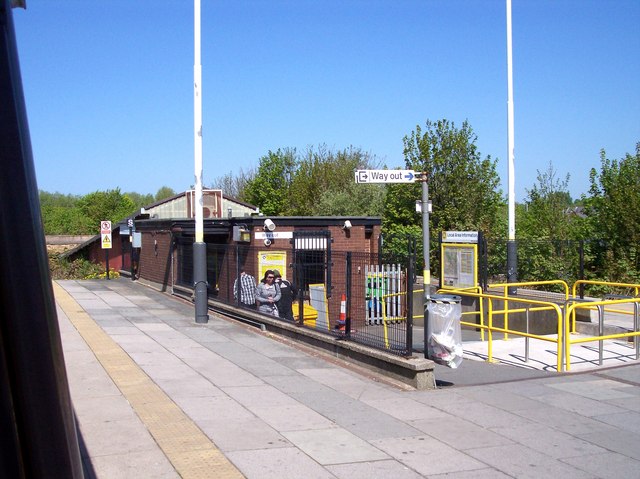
(347,225)
(267,242)
(269,225)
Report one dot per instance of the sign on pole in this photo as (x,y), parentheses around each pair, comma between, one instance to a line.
(460,236)
(385,176)
(105,234)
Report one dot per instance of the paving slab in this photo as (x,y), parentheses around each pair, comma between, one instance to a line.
(334,446)
(249,404)
(526,463)
(427,455)
(374,470)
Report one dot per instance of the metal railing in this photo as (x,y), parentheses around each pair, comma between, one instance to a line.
(600,306)
(565,314)
(530,305)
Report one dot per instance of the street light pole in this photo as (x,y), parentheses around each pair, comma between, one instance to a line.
(426,249)
(199,246)
(512,254)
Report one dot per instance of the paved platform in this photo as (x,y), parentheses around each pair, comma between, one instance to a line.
(157,395)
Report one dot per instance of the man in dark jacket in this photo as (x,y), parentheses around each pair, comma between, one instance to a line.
(288,293)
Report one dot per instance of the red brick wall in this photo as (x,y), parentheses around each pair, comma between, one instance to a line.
(155,257)
(97,255)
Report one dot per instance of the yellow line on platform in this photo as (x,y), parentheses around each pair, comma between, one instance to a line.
(189,450)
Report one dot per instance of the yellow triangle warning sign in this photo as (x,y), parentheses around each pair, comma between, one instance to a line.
(106,241)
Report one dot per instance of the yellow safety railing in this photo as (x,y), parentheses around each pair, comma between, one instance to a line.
(532,305)
(506,287)
(591,306)
(489,299)
(600,306)
(635,287)
(565,315)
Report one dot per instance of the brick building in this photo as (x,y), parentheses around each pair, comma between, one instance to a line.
(306,250)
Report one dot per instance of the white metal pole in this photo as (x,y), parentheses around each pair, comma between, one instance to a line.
(512,225)
(199,246)
(197,123)
(511,245)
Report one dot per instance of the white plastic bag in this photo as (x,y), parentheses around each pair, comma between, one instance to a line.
(444,338)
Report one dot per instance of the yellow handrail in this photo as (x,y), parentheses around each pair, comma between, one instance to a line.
(570,311)
(635,286)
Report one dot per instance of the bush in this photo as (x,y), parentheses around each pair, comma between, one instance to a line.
(61,268)
(103,275)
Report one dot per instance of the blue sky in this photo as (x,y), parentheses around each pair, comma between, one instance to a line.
(109,84)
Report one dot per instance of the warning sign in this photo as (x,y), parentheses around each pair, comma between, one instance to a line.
(105,234)
(106,241)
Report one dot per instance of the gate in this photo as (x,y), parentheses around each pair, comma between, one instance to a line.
(312,259)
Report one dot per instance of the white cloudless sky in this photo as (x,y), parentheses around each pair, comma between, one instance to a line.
(109,84)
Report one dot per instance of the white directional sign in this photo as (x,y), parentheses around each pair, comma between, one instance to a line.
(385,176)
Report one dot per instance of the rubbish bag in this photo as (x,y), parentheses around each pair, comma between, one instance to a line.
(444,338)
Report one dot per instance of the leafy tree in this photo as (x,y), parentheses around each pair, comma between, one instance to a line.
(463,186)
(105,205)
(163,192)
(139,200)
(57,199)
(268,189)
(60,220)
(323,180)
(548,212)
(60,214)
(354,199)
(614,210)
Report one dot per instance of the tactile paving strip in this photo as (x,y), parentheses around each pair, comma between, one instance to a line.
(189,450)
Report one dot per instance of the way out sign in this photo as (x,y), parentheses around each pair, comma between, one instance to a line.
(385,176)
(105,234)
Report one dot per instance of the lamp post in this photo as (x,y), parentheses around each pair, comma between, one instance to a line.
(512,254)
(426,247)
(199,246)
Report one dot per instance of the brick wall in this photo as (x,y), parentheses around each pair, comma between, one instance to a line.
(155,257)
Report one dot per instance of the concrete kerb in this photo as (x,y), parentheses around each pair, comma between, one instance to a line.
(415,371)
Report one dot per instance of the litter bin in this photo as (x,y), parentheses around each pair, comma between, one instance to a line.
(443,335)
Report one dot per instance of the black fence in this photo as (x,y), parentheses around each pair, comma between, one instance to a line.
(367,297)
(350,295)
(537,260)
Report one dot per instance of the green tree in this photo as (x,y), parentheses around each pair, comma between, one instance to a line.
(139,200)
(352,200)
(548,208)
(105,205)
(463,186)
(163,193)
(59,220)
(60,214)
(58,199)
(613,207)
(324,181)
(268,190)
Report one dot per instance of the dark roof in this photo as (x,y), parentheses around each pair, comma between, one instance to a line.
(73,252)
